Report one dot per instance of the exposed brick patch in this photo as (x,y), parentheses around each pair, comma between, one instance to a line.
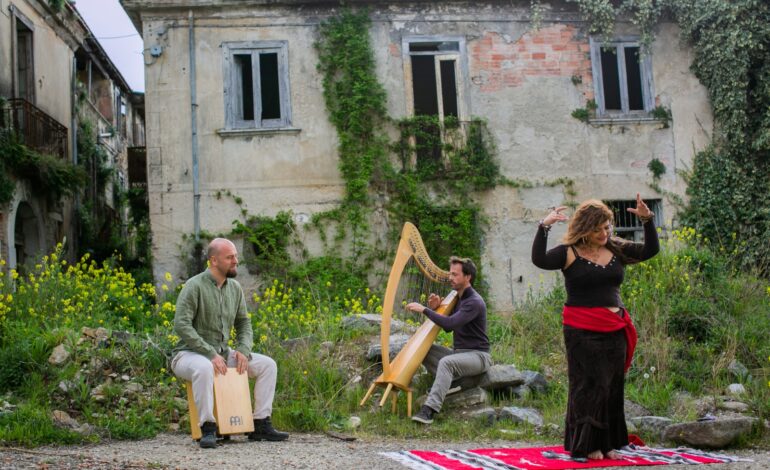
(555,51)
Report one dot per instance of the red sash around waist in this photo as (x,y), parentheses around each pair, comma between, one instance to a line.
(602,320)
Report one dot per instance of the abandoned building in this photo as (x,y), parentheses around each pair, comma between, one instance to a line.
(54,76)
(234,102)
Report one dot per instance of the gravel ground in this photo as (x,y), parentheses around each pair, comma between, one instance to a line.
(301,451)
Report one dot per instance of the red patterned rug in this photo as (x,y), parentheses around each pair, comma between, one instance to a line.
(549,458)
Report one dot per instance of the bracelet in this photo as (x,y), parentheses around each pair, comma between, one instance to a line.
(546,228)
(648,218)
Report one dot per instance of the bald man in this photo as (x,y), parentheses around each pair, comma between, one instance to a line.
(208,308)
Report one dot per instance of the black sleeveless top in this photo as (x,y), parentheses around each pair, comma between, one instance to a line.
(589,284)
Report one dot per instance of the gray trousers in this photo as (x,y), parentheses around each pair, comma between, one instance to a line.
(195,368)
(458,363)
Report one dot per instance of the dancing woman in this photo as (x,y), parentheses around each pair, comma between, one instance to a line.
(598,333)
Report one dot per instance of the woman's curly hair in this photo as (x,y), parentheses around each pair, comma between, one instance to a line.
(589,215)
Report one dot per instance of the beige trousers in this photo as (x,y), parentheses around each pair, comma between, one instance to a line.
(195,368)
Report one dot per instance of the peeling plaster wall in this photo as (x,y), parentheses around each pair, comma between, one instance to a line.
(519,80)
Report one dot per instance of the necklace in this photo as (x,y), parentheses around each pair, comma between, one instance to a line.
(592,255)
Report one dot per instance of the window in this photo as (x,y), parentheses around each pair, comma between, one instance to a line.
(627,225)
(434,73)
(256,85)
(622,78)
(434,69)
(24,70)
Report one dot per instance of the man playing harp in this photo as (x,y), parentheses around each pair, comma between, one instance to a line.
(468,324)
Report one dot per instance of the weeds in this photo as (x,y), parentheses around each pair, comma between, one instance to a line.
(694,311)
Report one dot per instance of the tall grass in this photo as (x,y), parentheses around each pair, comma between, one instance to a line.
(694,312)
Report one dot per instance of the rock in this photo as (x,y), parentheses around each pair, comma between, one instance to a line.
(485,414)
(736,390)
(85,429)
(466,398)
(133,387)
(734,406)
(521,392)
(395,343)
(88,332)
(353,422)
(521,415)
(325,348)
(738,370)
(173,427)
(535,381)
(180,403)
(369,320)
(705,405)
(120,337)
(125,378)
(293,344)
(500,376)
(634,410)
(712,434)
(98,393)
(58,356)
(654,425)
(631,427)
(65,386)
(63,420)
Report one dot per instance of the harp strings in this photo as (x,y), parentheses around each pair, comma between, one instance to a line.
(414,286)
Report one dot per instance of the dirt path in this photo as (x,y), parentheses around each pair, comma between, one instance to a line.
(302,451)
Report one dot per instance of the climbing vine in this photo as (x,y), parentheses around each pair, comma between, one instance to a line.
(355,101)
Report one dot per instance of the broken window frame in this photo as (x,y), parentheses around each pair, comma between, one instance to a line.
(461,71)
(450,48)
(628,225)
(645,66)
(232,89)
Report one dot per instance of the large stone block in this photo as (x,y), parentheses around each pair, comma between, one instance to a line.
(522,415)
(500,376)
(713,434)
(467,398)
(395,344)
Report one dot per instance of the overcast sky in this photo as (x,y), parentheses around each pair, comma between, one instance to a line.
(117,35)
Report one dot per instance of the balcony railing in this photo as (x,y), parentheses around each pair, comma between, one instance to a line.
(37,130)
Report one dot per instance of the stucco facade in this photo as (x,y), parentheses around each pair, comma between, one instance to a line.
(44,54)
(524,82)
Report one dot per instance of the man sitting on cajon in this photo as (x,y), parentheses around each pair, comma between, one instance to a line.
(208,307)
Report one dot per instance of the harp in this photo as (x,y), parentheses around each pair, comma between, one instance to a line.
(413,273)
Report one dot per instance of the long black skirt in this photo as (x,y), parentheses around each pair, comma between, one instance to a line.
(595,418)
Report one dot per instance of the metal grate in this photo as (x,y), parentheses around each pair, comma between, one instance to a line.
(627,225)
(37,130)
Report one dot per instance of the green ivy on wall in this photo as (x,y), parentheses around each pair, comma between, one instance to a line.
(438,165)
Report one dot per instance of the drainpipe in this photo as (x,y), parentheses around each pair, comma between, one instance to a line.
(194,127)
(74,221)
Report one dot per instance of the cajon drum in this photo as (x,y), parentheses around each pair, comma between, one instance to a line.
(232,405)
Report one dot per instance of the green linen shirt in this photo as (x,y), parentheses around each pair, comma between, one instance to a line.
(205,315)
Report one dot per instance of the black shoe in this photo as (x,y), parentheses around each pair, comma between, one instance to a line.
(425,415)
(209,438)
(264,431)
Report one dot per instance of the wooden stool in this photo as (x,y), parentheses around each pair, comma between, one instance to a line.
(232,405)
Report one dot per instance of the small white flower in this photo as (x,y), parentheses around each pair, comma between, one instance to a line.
(652,369)
(646,376)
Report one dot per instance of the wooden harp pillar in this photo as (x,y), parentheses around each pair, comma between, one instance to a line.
(397,374)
